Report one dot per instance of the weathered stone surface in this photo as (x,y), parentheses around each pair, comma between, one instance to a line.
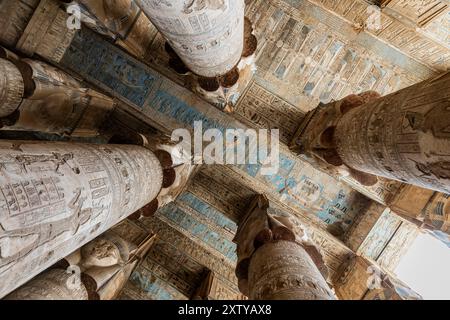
(363,225)
(423,206)
(307,54)
(47,33)
(426,47)
(360,279)
(57,103)
(165,273)
(403,136)
(420,13)
(139,39)
(397,246)
(11,88)
(57,197)
(14,18)
(53,284)
(339,63)
(283,270)
(96,271)
(208,36)
(213,288)
(116,16)
(275,258)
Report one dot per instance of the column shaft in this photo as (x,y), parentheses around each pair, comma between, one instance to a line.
(116,16)
(55,197)
(96,271)
(404,136)
(207,35)
(360,279)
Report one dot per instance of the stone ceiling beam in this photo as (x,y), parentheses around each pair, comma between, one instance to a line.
(41,98)
(403,136)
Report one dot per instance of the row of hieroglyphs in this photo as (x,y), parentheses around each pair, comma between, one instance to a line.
(415,42)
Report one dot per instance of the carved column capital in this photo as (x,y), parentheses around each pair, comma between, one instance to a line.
(269,232)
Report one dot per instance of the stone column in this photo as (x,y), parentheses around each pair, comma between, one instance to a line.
(141,39)
(54,284)
(55,197)
(211,43)
(213,287)
(112,18)
(404,136)
(96,271)
(41,98)
(360,279)
(121,20)
(176,163)
(275,261)
(283,270)
(11,88)
(206,35)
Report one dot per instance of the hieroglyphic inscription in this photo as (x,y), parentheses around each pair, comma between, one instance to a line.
(284,270)
(208,38)
(191,227)
(173,267)
(47,33)
(223,192)
(220,290)
(50,285)
(183,243)
(14,18)
(355,281)
(176,106)
(379,235)
(398,246)
(55,198)
(420,12)
(143,285)
(207,213)
(363,225)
